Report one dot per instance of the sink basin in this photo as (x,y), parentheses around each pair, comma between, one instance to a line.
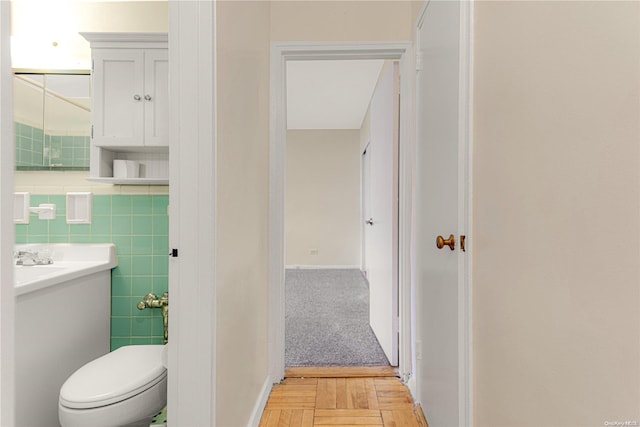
(70,261)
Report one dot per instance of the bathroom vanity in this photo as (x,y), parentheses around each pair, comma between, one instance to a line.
(62,321)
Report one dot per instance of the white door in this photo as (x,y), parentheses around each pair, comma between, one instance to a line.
(366,205)
(437,206)
(381,221)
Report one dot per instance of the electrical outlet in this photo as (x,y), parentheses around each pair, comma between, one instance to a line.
(313,251)
(418,350)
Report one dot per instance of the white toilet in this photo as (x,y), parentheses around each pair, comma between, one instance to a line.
(124,388)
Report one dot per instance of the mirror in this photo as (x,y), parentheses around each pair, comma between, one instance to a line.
(52,117)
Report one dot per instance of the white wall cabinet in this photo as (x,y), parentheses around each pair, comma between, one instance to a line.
(130,105)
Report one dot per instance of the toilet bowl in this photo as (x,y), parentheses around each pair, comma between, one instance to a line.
(124,388)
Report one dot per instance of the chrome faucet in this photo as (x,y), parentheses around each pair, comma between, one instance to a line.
(32,258)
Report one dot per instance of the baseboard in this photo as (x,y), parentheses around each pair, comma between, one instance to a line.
(412,386)
(417,409)
(322,267)
(261,403)
(422,420)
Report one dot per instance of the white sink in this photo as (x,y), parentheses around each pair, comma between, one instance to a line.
(70,261)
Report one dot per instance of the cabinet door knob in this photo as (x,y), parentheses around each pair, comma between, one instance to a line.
(147,97)
(137,97)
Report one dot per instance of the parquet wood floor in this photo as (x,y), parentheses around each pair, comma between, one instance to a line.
(362,402)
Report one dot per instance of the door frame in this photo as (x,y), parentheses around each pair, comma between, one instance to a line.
(7,228)
(281,52)
(191,392)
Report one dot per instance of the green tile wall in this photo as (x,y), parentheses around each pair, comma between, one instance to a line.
(34,148)
(29,145)
(139,227)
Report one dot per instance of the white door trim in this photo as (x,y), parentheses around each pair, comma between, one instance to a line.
(192,220)
(465,215)
(280,53)
(7,228)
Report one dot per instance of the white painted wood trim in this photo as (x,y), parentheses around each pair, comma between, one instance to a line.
(261,403)
(280,52)
(405,156)
(7,229)
(465,214)
(412,386)
(277,162)
(126,40)
(412,381)
(192,223)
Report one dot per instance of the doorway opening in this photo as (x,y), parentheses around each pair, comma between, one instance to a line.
(335,315)
(282,230)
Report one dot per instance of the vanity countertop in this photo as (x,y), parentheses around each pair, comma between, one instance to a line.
(70,261)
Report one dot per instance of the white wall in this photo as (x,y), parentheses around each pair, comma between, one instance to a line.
(329,21)
(322,209)
(556,222)
(242,208)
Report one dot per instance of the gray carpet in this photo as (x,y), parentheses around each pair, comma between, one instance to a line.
(327,320)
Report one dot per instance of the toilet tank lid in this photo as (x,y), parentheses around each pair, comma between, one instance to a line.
(114,377)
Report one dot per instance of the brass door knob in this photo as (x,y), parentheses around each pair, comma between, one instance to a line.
(441,242)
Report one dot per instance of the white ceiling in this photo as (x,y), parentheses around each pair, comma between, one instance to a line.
(330,94)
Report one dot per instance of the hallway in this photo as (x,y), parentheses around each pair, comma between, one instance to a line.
(368,401)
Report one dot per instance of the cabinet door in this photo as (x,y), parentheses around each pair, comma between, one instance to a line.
(118,97)
(156,95)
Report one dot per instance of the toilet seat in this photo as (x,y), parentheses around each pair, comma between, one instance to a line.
(114,377)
